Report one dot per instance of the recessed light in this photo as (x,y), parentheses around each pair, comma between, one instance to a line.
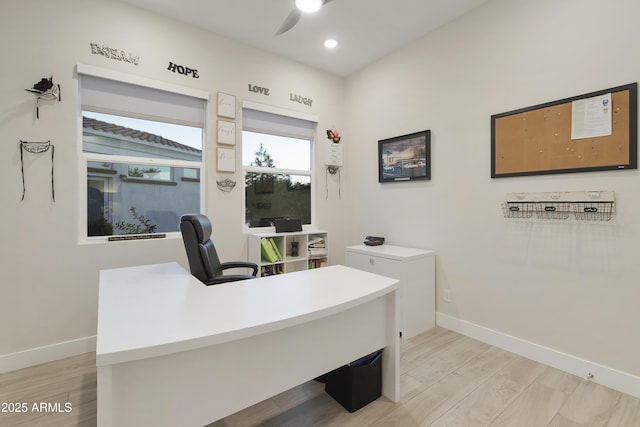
(330,44)
(309,6)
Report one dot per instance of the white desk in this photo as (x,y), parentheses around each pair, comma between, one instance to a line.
(171,351)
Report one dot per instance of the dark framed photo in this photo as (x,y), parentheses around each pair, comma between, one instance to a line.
(405,158)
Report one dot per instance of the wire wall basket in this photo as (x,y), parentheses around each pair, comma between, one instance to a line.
(593,211)
(518,209)
(581,205)
(553,210)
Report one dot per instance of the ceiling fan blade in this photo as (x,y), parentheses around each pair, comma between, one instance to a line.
(325,2)
(290,22)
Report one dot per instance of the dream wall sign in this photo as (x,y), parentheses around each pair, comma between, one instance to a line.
(113,53)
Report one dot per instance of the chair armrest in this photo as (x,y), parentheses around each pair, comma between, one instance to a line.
(240,264)
(228,278)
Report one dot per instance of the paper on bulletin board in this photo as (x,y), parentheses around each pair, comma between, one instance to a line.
(591,117)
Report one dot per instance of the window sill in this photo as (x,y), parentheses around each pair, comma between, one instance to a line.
(104,240)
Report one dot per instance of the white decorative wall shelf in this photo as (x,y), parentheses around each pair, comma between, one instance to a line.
(582,205)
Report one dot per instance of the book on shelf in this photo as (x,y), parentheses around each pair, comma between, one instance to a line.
(269,250)
(316,242)
(317,263)
(317,247)
(276,250)
(317,252)
(270,270)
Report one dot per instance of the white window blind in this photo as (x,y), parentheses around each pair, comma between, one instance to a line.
(256,120)
(116,97)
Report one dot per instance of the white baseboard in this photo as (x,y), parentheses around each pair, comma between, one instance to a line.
(49,353)
(609,377)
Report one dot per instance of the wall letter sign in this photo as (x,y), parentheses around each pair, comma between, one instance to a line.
(112,53)
(258,89)
(300,100)
(185,71)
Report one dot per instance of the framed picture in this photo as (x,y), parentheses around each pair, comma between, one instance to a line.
(226,132)
(226,160)
(226,105)
(405,158)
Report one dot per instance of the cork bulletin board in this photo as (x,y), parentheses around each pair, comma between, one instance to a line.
(538,140)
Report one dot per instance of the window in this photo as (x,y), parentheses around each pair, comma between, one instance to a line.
(141,157)
(277,159)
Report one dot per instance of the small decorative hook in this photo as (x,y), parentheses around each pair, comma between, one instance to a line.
(45,89)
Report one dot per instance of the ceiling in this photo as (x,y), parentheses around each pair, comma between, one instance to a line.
(366,30)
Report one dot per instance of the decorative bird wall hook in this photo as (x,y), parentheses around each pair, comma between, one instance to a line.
(45,89)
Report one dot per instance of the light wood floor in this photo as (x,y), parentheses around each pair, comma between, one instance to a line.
(447,380)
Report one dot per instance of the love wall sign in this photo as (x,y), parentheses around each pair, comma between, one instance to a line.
(259,89)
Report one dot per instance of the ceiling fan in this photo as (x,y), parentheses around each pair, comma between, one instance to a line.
(307,6)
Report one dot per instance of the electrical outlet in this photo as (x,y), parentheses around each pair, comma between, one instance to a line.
(446,295)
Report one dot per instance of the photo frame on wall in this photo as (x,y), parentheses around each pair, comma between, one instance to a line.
(405,158)
(226,160)
(226,132)
(226,105)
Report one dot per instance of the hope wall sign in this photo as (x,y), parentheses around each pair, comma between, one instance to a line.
(185,71)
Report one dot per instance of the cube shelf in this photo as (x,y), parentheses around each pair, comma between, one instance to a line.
(280,253)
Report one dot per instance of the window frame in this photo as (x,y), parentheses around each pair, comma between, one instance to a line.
(84,159)
(279,171)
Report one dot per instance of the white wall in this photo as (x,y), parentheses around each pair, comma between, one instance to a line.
(49,282)
(571,287)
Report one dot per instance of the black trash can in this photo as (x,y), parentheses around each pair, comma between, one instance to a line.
(356,384)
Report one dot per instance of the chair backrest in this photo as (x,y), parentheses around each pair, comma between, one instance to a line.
(201,252)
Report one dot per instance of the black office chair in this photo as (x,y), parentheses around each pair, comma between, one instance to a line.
(201,253)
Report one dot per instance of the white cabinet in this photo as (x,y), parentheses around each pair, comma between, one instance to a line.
(415,269)
(295,251)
